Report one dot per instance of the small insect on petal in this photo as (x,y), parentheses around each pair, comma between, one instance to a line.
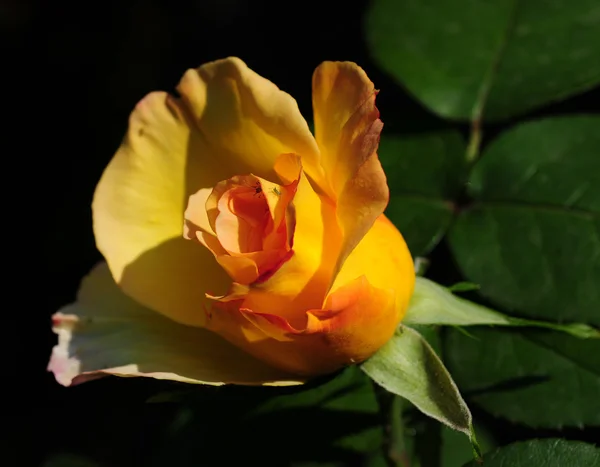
(257,189)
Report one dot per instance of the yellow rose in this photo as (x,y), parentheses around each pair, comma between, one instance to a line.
(263,248)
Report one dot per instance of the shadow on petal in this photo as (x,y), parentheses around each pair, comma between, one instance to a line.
(106,332)
(173,275)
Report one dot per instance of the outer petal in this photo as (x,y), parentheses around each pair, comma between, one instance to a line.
(105,332)
(347,129)
(384,259)
(356,321)
(138,212)
(245,117)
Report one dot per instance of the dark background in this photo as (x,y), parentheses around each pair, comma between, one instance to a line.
(87,66)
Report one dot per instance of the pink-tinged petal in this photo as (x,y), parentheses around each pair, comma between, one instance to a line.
(107,333)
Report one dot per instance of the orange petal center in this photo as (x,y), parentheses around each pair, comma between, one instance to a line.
(243,218)
(246,222)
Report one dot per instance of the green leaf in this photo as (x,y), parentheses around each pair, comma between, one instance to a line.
(490,59)
(432,335)
(425,172)
(348,395)
(553,162)
(455,449)
(433,304)
(407,366)
(544,453)
(348,429)
(534,261)
(532,239)
(423,222)
(421,265)
(463,287)
(426,443)
(538,378)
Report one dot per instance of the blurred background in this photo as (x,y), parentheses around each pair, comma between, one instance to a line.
(93,62)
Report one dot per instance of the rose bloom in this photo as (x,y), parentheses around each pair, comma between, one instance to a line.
(239,247)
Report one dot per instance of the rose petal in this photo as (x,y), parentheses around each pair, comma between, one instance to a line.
(195,215)
(357,319)
(384,259)
(241,221)
(138,212)
(106,332)
(245,116)
(347,129)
